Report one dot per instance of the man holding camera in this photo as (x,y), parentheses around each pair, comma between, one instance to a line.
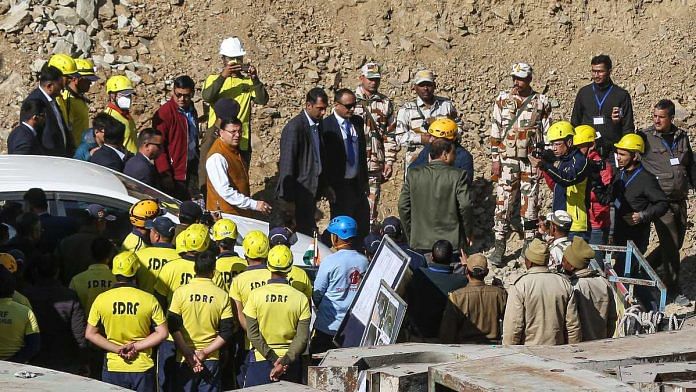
(238,81)
(520,120)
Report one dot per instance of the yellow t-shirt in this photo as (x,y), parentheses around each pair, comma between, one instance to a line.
(131,135)
(177,273)
(252,278)
(77,112)
(16,322)
(133,243)
(299,279)
(152,259)
(20,299)
(201,305)
(92,282)
(278,307)
(242,91)
(229,267)
(126,314)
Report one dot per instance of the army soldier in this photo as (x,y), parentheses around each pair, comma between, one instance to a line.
(377,112)
(520,120)
(415,117)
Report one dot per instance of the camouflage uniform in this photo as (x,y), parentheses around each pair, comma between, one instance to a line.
(510,145)
(377,112)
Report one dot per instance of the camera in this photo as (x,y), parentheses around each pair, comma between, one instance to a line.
(541,152)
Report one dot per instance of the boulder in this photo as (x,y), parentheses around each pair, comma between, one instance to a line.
(86,9)
(17,18)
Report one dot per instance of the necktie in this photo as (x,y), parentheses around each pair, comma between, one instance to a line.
(350,152)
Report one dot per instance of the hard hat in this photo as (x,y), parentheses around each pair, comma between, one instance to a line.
(560,130)
(584,134)
(631,142)
(343,226)
(64,63)
(179,243)
(443,127)
(232,47)
(85,67)
(118,83)
(224,228)
(195,238)
(142,211)
(280,259)
(126,264)
(256,245)
(9,262)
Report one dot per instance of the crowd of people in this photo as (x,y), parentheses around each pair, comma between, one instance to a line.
(172,306)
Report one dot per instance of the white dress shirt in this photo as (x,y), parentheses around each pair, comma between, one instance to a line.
(216,166)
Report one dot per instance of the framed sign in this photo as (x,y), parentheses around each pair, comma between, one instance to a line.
(385,319)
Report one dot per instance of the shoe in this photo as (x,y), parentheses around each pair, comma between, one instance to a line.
(496,258)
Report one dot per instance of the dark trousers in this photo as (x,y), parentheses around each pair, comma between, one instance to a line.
(141,382)
(209,380)
(321,342)
(305,211)
(96,362)
(670,228)
(166,366)
(351,201)
(258,373)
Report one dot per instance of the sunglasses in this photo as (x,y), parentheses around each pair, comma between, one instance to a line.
(154,144)
(182,95)
(347,106)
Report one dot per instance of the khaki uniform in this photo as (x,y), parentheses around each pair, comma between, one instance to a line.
(511,144)
(473,314)
(377,112)
(540,310)
(413,120)
(596,305)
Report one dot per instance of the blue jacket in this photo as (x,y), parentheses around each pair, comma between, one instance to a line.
(463,160)
(88,143)
(570,191)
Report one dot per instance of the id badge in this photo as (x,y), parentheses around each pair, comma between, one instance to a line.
(674,161)
(598,120)
(617,204)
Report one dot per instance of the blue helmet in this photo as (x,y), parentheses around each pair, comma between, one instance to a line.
(343,226)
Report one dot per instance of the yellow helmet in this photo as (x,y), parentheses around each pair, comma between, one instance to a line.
(142,211)
(179,243)
(631,142)
(9,262)
(224,228)
(64,63)
(126,264)
(280,259)
(443,127)
(118,83)
(256,245)
(560,130)
(85,67)
(195,238)
(584,134)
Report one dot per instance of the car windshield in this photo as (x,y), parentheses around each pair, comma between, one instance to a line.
(141,191)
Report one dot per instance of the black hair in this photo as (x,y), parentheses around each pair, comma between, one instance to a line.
(114,131)
(10,211)
(205,263)
(184,81)
(442,252)
(479,273)
(31,108)
(227,243)
(102,249)
(315,94)
(224,122)
(8,283)
(26,223)
(602,59)
(439,146)
(36,198)
(101,121)
(146,135)
(341,92)
(46,266)
(49,74)
(666,104)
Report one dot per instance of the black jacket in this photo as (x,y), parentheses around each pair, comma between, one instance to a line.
(23,141)
(586,108)
(140,168)
(299,176)
(52,141)
(641,193)
(106,156)
(335,163)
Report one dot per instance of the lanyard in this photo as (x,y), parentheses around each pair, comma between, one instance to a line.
(640,169)
(674,145)
(599,102)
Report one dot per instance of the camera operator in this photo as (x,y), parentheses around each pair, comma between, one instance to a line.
(568,172)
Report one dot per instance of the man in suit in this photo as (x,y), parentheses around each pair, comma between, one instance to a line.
(300,178)
(55,139)
(141,166)
(434,202)
(24,139)
(109,133)
(345,168)
(53,228)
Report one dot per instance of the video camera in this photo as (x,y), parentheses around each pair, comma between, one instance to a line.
(541,152)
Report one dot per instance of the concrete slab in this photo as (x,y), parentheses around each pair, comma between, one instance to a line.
(411,377)
(518,372)
(47,380)
(281,386)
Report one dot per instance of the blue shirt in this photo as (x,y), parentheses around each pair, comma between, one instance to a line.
(335,287)
(192,133)
(462,160)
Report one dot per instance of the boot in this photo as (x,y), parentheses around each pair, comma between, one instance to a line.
(496,258)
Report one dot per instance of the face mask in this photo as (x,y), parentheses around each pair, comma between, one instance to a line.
(123,102)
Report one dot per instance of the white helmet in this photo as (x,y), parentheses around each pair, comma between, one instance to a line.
(232,47)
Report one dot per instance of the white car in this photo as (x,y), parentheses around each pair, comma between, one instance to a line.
(71,185)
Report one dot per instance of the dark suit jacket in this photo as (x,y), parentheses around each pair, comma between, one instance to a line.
(23,141)
(54,229)
(106,156)
(335,163)
(298,175)
(51,139)
(140,168)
